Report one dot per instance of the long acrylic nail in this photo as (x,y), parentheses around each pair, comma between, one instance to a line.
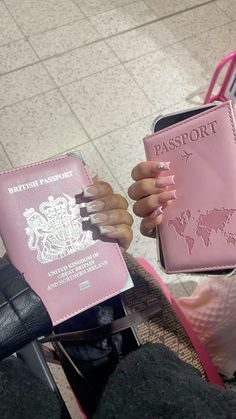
(107,229)
(161,166)
(167,196)
(164,181)
(94,206)
(98,218)
(90,191)
(156,213)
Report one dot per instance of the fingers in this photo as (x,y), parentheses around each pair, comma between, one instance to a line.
(97,190)
(100,197)
(115,224)
(152,191)
(149,224)
(149,186)
(108,212)
(112,217)
(121,232)
(148,169)
(147,205)
(108,202)
(150,178)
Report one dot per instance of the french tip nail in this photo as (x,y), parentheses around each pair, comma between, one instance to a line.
(172,194)
(89,208)
(93,219)
(168,165)
(94,206)
(98,218)
(106,229)
(161,166)
(165,165)
(162,181)
(156,213)
(87,194)
(90,191)
(168,196)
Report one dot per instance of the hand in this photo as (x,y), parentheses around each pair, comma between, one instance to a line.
(151,193)
(108,211)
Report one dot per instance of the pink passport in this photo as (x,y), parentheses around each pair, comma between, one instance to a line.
(198,232)
(48,237)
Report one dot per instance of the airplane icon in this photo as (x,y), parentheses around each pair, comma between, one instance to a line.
(186,156)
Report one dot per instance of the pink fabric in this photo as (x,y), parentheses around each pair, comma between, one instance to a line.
(211,310)
(209,368)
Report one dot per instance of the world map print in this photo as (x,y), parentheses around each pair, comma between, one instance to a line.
(206,224)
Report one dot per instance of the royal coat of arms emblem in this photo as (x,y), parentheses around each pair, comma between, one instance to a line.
(56,229)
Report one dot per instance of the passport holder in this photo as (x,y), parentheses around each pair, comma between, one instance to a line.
(198,232)
(48,237)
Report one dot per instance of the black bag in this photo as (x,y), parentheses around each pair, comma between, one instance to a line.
(23,316)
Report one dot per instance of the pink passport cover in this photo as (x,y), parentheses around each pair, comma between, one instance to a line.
(198,232)
(41,228)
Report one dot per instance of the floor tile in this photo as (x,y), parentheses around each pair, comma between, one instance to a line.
(65,391)
(92,7)
(141,41)
(167,7)
(190,282)
(35,16)
(24,83)
(97,165)
(106,101)
(123,18)
(228,7)
(81,62)
(2,248)
(64,38)
(189,286)
(4,161)
(15,55)
(177,289)
(8,29)
(203,46)
(193,100)
(4,165)
(123,149)
(38,128)
(178,107)
(167,76)
(196,21)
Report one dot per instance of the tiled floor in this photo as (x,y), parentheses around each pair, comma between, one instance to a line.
(93,74)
